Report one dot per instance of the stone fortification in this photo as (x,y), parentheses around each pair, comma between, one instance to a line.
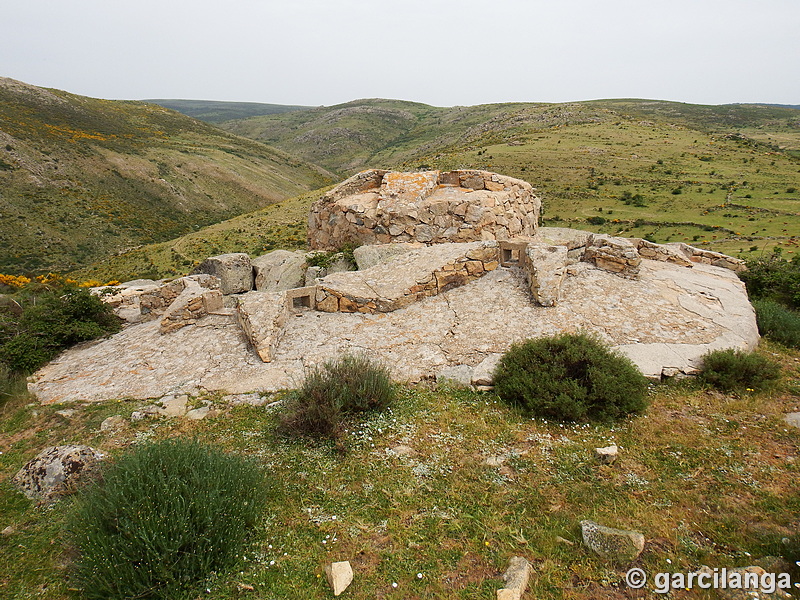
(431,207)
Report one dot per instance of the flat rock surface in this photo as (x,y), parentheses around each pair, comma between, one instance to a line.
(666,319)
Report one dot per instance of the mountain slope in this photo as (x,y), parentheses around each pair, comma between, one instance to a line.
(82,179)
(217,112)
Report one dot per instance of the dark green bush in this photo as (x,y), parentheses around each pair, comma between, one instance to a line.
(778,323)
(736,371)
(51,321)
(570,377)
(774,278)
(342,387)
(161,519)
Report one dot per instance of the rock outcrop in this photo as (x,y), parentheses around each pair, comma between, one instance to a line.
(431,207)
(427,309)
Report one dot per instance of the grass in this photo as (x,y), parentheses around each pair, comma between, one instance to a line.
(708,478)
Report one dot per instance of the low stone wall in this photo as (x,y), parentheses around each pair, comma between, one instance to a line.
(418,274)
(617,255)
(713,258)
(193,304)
(155,302)
(431,207)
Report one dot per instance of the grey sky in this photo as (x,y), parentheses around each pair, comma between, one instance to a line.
(441,52)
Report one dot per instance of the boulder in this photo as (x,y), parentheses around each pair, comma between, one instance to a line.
(235,272)
(279,270)
(617,545)
(55,471)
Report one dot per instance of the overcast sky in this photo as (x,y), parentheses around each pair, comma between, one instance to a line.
(441,52)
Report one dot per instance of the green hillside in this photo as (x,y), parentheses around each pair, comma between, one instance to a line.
(722,177)
(82,179)
(216,112)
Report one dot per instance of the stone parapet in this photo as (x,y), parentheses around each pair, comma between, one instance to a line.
(614,254)
(430,207)
(414,275)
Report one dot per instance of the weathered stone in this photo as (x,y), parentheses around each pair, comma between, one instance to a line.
(618,545)
(262,316)
(483,373)
(613,254)
(793,419)
(197,414)
(544,268)
(516,579)
(667,319)
(174,406)
(339,575)
(56,471)
(279,270)
(235,272)
(607,455)
(430,207)
(375,254)
(112,423)
(411,275)
(457,374)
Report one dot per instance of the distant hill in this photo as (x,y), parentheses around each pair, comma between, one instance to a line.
(726,178)
(216,112)
(82,179)
(374,132)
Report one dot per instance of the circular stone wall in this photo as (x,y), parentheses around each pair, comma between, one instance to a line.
(379,207)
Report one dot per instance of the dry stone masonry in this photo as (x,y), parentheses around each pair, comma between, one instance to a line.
(444,305)
(431,207)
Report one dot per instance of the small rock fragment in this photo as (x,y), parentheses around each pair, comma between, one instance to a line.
(8,531)
(339,575)
(67,413)
(607,455)
(198,413)
(793,419)
(617,545)
(112,423)
(516,579)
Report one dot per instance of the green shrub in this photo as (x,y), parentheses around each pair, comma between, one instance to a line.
(161,519)
(595,220)
(51,321)
(774,278)
(736,371)
(570,377)
(342,387)
(778,323)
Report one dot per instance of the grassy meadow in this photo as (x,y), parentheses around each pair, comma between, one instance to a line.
(439,492)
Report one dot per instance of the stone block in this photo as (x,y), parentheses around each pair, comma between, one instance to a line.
(235,272)
(544,268)
(279,271)
(262,316)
